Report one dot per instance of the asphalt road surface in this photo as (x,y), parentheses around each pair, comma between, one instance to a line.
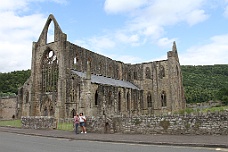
(12,142)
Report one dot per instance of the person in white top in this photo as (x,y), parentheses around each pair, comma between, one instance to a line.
(82,120)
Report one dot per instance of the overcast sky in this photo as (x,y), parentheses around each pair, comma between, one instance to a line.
(131,31)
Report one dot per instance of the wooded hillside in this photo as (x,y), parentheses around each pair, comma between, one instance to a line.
(201,83)
(10,82)
(204,83)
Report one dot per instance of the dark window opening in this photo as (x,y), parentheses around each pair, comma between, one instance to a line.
(163,99)
(96,98)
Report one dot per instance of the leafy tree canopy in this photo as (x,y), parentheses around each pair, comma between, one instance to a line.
(204,83)
(10,82)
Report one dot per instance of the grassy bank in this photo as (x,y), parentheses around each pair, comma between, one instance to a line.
(11,123)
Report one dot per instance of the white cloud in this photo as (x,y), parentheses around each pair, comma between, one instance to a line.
(165,42)
(97,44)
(101,43)
(196,16)
(131,39)
(17,32)
(13,5)
(60,1)
(126,58)
(16,36)
(116,6)
(148,19)
(226,12)
(207,54)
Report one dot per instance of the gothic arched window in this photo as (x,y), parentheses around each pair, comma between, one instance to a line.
(163,99)
(128,101)
(162,72)
(96,98)
(149,100)
(135,75)
(50,71)
(73,113)
(27,97)
(148,73)
(119,101)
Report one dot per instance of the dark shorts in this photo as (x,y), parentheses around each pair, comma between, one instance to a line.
(82,124)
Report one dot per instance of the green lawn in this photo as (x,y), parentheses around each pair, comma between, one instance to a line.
(65,126)
(11,123)
(215,109)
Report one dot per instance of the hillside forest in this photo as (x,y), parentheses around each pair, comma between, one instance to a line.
(201,83)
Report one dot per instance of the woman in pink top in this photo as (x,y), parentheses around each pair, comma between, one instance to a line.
(76,123)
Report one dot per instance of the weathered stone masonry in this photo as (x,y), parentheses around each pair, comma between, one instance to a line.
(210,124)
(8,107)
(67,79)
(202,124)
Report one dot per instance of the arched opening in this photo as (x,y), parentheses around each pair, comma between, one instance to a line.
(119,102)
(99,67)
(135,101)
(163,99)
(110,98)
(52,112)
(129,75)
(177,70)
(135,75)
(148,73)
(27,97)
(73,113)
(45,113)
(50,33)
(96,98)
(50,71)
(149,100)
(128,101)
(162,72)
(75,60)
(72,94)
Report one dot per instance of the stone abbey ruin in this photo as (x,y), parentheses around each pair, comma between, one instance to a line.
(67,79)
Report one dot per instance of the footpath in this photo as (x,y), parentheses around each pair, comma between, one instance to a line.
(215,141)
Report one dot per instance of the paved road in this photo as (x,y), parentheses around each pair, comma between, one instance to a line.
(10,142)
(177,140)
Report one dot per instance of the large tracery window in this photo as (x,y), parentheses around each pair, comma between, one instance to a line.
(49,72)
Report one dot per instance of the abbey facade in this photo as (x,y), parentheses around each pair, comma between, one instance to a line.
(67,79)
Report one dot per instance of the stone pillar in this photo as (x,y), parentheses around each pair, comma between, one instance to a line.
(85,100)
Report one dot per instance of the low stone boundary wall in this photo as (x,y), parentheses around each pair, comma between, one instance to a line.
(39,122)
(210,124)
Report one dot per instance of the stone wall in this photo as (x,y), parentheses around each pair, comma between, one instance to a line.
(39,122)
(8,107)
(209,124)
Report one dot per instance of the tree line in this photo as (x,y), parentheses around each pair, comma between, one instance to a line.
(204,83)
(11,81)
(201,83)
